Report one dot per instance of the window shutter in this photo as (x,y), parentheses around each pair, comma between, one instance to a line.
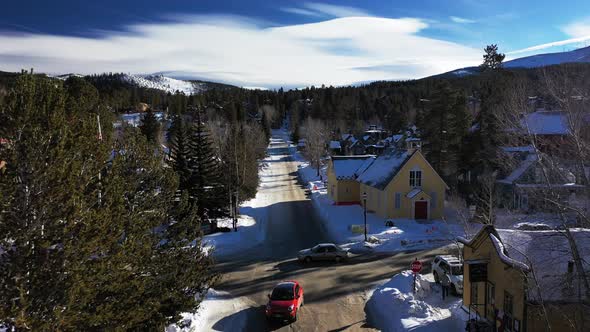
(433,200)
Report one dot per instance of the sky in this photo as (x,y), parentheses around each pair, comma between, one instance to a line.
(281,43)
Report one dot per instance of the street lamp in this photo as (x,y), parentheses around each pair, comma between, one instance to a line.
(365,213)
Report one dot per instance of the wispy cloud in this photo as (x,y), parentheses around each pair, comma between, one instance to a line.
(249,54)
(462,20)
(317,9)
(578,29)
(301,11)
(579,32)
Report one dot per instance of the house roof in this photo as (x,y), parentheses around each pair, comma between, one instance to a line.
(530,160)
(546,123)
(546,253)
(334,144)
(350,167)
(384,169)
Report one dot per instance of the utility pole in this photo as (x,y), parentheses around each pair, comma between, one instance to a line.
(99,171)
(365,213)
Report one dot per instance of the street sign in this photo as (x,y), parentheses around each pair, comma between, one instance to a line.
(416,266)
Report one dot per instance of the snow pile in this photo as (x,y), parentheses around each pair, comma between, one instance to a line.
(161,82)
(394,307)
(251,223)
(405,234)
(212,312)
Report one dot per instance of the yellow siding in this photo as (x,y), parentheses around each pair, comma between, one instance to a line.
(342,191)
(383,202)
(503,277)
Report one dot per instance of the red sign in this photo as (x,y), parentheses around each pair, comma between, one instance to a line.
(416,266)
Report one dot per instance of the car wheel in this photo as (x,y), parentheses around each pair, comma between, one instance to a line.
(338,259)
(308,259)
(436,280)
(294,319)
(302,301)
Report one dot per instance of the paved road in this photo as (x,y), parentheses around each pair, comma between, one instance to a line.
(335,294)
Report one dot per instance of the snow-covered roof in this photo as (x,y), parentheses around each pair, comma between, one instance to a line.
(546,123)
(510,149)
(546,253)
(334,144)
(350,167)
(413,193)
(519,171)
(384,169)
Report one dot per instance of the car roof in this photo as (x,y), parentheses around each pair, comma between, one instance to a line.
(450,259)
(286,284)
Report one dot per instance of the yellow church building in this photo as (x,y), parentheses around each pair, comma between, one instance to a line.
(398,184)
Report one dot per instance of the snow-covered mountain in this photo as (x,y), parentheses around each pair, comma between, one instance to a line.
(533,61)
(540,60)
(167,84)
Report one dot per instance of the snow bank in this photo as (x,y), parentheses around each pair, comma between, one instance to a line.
(394,307)
(216,306)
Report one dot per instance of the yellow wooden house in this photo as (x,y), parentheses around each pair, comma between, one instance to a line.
(343,171)
(525,280)
(402,184)
(398,184)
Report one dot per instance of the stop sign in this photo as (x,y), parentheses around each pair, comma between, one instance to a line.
(416,266)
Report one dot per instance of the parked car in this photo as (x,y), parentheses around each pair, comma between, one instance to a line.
(284,301)
(323,252)
(453,267)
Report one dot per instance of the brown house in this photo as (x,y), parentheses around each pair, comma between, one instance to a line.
(512,277)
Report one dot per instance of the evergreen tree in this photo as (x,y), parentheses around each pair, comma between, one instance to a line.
(150,126)
(180,152)
(206,182)
(51,177)
(436,130)
(492,59)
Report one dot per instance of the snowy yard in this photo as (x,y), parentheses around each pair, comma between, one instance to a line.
(212,314)
(406,234)
(394,307)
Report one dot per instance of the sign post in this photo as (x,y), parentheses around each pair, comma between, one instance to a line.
(416,267)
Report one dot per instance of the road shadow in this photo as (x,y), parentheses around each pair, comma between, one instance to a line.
(248,319)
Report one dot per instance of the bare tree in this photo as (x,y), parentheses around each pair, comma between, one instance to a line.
(316,138)
(558,161)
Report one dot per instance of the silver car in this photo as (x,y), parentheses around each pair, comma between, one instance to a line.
(323,252)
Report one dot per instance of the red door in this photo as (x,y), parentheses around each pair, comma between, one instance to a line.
(421,210)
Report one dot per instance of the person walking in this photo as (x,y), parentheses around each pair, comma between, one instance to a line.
(446,284)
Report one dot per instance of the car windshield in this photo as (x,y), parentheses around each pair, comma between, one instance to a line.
(457,270)
(316,248)
(282,293)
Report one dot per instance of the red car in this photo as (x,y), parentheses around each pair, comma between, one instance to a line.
(284,301)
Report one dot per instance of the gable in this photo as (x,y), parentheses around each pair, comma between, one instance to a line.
(417,161)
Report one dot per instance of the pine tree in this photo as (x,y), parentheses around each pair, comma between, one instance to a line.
(436,129)
(53,159)
(492,60)
(180,152)
(206,182)
(150,126)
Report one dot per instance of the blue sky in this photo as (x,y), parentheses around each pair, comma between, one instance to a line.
(281,43)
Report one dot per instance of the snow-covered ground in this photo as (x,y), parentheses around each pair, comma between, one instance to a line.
(405,234)
(217,312)
(251,223)
(164,83)
(394,307)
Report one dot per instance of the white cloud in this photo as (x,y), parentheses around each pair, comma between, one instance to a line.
(301,11)
(336,11)
(317,9)
(578,31)
(461,20)
(333,52)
